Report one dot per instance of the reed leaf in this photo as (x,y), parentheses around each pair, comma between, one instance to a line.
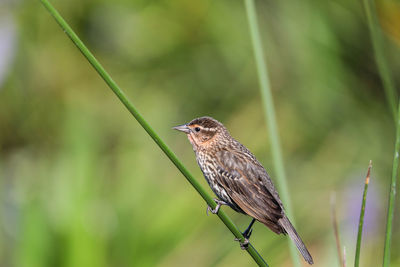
(377,43)
(391,96)
(361,222)
(392,196)
(270,117)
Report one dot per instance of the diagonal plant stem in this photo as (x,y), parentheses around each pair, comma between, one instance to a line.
(383,68)
(361,223)
(270,117)
(392,195)
(120,94)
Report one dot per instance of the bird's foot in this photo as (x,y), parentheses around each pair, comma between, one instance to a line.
(219,204)
(247,233)
(245,244)
(249,230)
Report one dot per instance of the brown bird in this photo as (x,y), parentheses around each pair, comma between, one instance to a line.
(238,179)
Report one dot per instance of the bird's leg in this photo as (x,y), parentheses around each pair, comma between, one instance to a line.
(219,204)
(249,230)
(246,234)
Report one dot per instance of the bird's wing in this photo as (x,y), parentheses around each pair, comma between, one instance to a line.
(249,186)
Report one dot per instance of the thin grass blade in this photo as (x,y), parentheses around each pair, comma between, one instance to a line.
(269,111)
(392,196)
(361,222)
(377,43)
(336,229)
(391,96)
(344,257)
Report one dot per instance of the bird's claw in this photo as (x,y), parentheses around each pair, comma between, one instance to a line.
(213,211)
(219,204)
(243,245)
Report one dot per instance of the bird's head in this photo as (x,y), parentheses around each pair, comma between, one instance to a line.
(202,132)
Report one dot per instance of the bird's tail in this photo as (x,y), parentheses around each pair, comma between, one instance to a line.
(285,223)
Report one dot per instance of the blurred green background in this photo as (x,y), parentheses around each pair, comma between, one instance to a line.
(81,183)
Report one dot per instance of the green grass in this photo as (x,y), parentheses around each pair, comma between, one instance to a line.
(362,213)
(270,117)
(392,196)
(383,67)
(392,99)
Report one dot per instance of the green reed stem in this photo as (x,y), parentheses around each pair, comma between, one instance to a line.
(269,111)
(120,94)
(392,196)
(391,96)
(361,222)
(377,43)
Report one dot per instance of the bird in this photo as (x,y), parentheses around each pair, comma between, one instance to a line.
(238,179)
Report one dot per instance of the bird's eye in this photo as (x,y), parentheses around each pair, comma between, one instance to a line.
(197,129)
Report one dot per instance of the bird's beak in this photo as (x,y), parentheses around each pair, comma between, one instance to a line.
(183,128)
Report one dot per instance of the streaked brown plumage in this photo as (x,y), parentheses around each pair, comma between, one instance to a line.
(237,178)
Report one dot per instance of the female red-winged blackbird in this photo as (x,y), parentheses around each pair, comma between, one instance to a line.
(238,179)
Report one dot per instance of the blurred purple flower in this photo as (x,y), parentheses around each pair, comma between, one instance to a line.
(7,44)
(352,199)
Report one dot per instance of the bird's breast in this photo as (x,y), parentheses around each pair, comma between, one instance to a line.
(210,171)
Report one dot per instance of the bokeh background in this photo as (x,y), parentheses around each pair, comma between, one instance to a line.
(81,184)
